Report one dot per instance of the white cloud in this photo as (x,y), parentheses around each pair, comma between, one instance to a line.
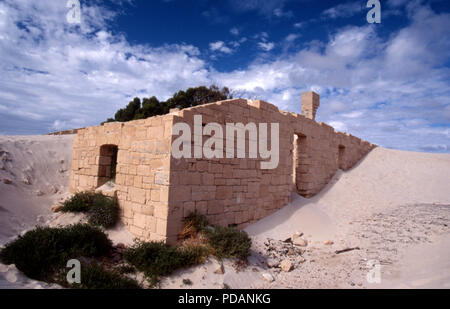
(396,3)
(234,31)
(52,72)
(343,10)
(393,92)
(266,46)
(278,12)
(292,37)
(264,7)
(220,46)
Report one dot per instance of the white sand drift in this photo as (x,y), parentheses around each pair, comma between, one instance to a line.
(34,174)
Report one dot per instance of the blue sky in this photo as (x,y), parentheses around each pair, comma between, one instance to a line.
(388,83)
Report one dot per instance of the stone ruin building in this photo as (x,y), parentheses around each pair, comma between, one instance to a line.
(155,191)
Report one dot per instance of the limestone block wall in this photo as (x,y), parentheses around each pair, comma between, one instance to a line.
(142,171)
(237,191)
(156,191)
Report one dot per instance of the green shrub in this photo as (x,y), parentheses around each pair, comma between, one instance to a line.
(187,282)
(228,242)
(126,269)
(193,224)
(40,252)
(79,202)
(95,276)
(103,210)
(158,259)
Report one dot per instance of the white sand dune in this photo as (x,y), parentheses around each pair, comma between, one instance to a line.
(384,179)
(389,196)
(38,168)
(388,191)
(396,191)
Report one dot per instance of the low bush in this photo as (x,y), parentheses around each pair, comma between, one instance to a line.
(158,259)
(102,210)
(187,282)
(228,242)
(40,252)
(193,224)
(95,276)
(224,242)
(79,202)
(126,269)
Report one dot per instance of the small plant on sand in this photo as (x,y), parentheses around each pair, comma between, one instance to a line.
(187,282)
(95,276)
(79,202)
(157,259)
(102,210)
(41,252)
(223,242)
(228,242)
(194,223)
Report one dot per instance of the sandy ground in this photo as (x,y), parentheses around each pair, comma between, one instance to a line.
(394,207)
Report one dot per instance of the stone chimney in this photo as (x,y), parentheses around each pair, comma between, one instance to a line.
(310,104)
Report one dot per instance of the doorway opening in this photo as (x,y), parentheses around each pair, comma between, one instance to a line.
(341,162)
(300,164)
(107,164)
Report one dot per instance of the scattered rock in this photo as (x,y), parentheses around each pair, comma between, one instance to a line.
(297,235)
(62,170)
(7,181)
(220,270)
(268,277)
(26,181)
(278,250)
(39,193)
(300,242)
(272,263)
(286,265)
(56,208)
(300,260)
(328,242)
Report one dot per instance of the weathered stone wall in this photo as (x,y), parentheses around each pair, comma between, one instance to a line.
(142,172)
(237,191)
(156,191)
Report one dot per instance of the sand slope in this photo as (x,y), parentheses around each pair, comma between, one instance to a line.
(395,205)
(38,169)
(384,179)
